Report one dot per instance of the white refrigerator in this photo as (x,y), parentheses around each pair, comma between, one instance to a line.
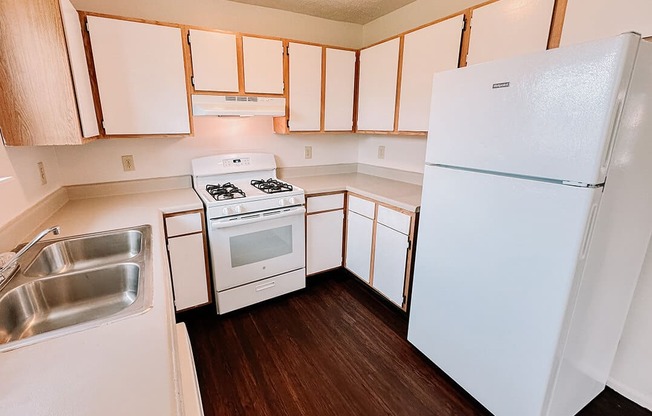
(536,215)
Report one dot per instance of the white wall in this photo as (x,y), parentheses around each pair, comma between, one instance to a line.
(401,152)
(101,161)
(23,188)
(410,16)
(236,17)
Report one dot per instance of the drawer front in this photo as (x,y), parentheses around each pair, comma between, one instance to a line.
(183,224)
(324,203)
(394,219)
(361,206)
(241,296)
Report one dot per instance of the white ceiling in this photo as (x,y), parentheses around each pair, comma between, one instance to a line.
(353,11)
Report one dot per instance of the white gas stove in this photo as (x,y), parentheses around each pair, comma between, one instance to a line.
(256,228)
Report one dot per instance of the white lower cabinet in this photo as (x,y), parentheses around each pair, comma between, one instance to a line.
(324,241)
(380,236)
(186,243)
(390,261)
(324,232)
(359,235)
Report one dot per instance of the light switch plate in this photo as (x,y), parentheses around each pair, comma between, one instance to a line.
(381,152)
(308,152)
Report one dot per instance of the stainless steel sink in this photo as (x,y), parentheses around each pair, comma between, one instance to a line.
(85,252)
(77,283)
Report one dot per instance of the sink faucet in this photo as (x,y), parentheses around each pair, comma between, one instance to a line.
(9,269)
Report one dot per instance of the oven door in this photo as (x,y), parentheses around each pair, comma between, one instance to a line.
(251,247)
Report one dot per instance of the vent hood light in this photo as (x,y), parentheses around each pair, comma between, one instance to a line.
(234,106)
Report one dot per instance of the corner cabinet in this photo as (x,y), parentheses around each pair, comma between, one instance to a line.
(426,51)
(187,246)
(321,90)
(587,20)
(141,77)
(324,232)
(379,247)
(339,90)
(508,28)
(378,83)
(46,90)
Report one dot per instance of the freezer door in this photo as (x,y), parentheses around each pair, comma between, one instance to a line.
(549,115)
(495,268)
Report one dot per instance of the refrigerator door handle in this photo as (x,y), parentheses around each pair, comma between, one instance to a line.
(612,138)
(589,231)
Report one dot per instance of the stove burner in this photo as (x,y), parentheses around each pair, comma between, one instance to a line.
(271,186)
(225,191)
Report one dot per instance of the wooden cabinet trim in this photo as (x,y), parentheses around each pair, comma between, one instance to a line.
(466,38)
(187,64)
(399,80)
(557,24)
(90,61)
(322,114)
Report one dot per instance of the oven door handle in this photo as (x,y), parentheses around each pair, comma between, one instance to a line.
(254,218)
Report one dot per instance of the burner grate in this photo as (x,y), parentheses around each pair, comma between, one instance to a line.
(225,191)
(271,186)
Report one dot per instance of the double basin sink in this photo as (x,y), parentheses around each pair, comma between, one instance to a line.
(77,283)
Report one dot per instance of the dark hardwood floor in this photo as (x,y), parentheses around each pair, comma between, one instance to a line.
(332,349)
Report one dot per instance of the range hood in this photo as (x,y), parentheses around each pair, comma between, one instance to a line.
(231,105)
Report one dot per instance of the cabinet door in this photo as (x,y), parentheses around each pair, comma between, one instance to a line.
(390,261)
(587,20)
(324,241)
(79,69)
(263,65)
(432,49)
(305,87)
(509,27)
(188,266)
(214,61)
(37,97)
(141,77)
(378,79)
(340,89)
(359,232)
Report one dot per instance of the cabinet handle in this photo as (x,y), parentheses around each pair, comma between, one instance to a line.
(265,286)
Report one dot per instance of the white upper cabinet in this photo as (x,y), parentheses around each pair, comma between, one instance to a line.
(509,27)
(141,77)
(305,87)
(79,68)
(214,61)
(378,80)
(432,49)
(263,65)
(587,20)
(340,88)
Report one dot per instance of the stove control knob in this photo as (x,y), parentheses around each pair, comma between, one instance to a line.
(238,209)
(226,211)
(281,202)
(292,200)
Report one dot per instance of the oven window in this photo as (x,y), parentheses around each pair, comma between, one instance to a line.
(261,245)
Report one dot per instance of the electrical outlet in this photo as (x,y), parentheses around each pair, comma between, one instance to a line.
(41,171)
(128,163)
(381,152)
(308,152)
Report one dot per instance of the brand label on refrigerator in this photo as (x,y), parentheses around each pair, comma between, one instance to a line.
(501,85)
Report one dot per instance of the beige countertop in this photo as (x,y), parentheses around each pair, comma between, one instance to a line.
(401,194)
(128,367)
